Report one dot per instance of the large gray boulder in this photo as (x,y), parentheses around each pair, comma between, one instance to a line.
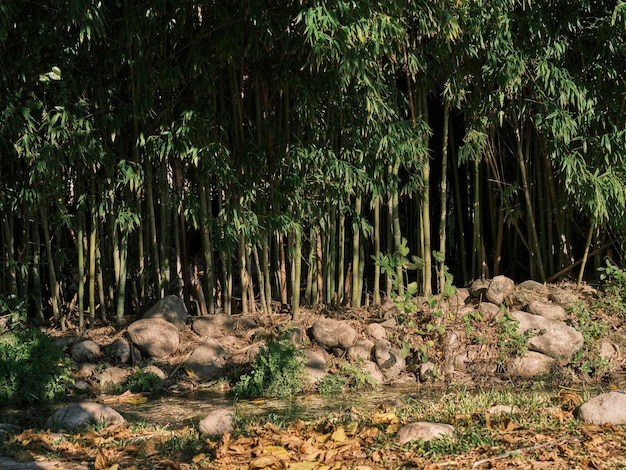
(170,308)
(500,288)
(423,430)
(547,310)
(529,291)
(361,351)
(314,366)
(550,337)
(607,408)
(217,422)
(154,337)
(84,414)
(530,365)
(333,333)
(388,359)
(207,360)
(221,324)
(86,351)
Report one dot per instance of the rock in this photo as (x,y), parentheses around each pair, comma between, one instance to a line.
(221,324)
(361,351)
(119,350)
(297,336)
(427,372)
(87,370)
(609,351)
(152,369)
(529,291)
(547,310)
(376,331)
(500,289)
(333,333)
(489,311)
(607,408)
(530,365)
(551,337)
(563,297)
(388,359)
(479,287)
(111,377)
(423,430)
(84,414)
(207,360)
(85,351)
(81,387)
(154,337)
(217,422)
(170,308)
(9,428)
(460,299)
(372,369)
(314,366)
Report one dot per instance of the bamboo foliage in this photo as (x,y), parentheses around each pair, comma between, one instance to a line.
(205,149)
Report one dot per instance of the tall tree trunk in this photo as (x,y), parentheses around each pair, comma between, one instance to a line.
(243,273)
(282,270)
(427,254)
(331,270)
(80,254)
(376,236)
(476,238)
(260,270)
(55,288)
(356,243)
(267,280)
(443,197)
(583,264)
(395,230)
(121,281)
(36,271)
(207,249)
(297,273)
(532,226)
(93,240)
(342,259)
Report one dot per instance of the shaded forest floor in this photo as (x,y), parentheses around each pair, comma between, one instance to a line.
(540,429)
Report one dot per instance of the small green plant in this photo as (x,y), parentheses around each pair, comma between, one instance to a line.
(510,342)
(587,360)
(348,377)
(614,286)
(32,368)
(141,381)
(278,371)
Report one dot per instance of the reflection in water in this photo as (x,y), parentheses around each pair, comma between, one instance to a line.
(180,410)
(176,410)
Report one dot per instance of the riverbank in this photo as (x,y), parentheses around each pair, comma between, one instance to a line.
(471,348)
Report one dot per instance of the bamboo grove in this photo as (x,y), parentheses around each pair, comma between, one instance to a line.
(252,154)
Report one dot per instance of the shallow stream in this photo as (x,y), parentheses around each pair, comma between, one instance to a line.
(177,411)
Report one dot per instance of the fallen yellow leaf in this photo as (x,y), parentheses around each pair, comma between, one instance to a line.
(339,435)
(101,463)
(388,417)
(275,450)
(198,458)
(262,462)
(137,400)
(303,466)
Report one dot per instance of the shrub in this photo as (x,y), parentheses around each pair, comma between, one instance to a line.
(348,377)
(278,371)
(141,381)
(32,369)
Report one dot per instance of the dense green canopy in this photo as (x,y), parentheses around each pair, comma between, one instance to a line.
(249,152)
